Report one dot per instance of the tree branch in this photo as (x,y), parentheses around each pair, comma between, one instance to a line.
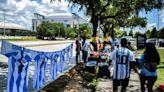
(104,8)
(113,16)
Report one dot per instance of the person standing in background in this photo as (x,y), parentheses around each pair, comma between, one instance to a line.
(129,46)
(78,49)
(85,48)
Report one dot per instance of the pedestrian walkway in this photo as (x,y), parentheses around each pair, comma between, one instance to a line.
(105,85)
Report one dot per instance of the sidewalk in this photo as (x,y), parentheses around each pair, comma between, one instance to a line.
(105,85)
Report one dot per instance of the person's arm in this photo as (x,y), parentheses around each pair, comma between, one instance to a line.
(111,57)
(89,46)
(140,60)
(132,63)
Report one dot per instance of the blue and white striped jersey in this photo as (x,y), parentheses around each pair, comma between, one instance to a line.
(121,58)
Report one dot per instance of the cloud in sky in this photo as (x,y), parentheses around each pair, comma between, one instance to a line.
(151,25)
(21,12)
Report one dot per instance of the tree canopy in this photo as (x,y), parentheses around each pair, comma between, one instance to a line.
(52,30)
(98,9)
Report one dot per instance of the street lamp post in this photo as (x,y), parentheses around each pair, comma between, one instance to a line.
(4,22)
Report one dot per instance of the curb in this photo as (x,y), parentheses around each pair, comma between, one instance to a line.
(34,45)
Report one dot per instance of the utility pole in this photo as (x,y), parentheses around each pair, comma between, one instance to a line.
(158,20)
(4,22)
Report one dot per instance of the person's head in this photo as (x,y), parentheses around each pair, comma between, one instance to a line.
(76,37)
(117,46)
(84,38)
(129,43)
(123,42)
(151,53)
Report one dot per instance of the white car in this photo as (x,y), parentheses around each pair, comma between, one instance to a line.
(153,41)
(161,43)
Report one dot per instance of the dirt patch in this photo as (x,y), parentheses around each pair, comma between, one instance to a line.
(69,82)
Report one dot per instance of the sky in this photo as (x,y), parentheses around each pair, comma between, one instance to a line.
(155,18)
(21,12)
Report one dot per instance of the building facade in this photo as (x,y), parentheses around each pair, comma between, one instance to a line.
(68,19)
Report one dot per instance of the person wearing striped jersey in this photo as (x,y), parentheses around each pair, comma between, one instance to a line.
(122,58)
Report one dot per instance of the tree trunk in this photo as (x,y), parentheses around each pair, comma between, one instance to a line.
(94,21)
(112,32)
(104,33)
(106,30)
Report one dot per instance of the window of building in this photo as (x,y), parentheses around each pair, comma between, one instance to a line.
(68,25)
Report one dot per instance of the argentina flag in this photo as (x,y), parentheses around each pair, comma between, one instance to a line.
(61,63)
(18,72)
(67,55)
(70,52)
(23,63)
(18,65)
(53,67)
(40,70)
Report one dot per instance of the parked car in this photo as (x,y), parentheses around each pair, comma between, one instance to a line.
(153,41)
(161,42)
(132,40)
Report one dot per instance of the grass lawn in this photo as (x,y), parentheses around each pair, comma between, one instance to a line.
(22,39)
(160,79)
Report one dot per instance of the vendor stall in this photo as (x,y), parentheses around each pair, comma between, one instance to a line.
(99,61)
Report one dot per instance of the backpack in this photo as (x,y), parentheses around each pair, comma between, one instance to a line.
(150,66)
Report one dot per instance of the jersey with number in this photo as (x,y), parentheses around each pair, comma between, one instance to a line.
(121,58)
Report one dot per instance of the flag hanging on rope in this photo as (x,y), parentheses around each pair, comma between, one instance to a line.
(40,70)
(19,63)
(67,55)
(53,67)
(71,52)
(62,53)
(18,71)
